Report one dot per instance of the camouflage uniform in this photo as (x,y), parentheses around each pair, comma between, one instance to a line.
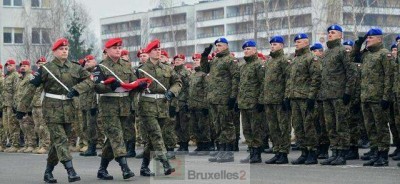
(272,96)
(37,115)
(323,139)
(396,90)
(58,114)
(303,85)
(338,79)
(88,102)
(3,131)
(376,85)
(9,120)
(181,104)
(355,120)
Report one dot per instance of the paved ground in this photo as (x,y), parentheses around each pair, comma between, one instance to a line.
(28,168)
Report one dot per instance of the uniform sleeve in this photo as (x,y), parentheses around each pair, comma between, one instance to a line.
(99,76)
(388,71)
(350,71)
(315,75)
(204,65)
(30,91)
(175,83)
(1,93)
(288,82)
(14,89)
(235,77)
(261,76)
(86,83)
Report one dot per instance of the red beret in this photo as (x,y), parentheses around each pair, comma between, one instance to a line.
(60,42)
(89,57)
(81,61)
(41,59)
(1,66)
(188,65)
(196,56)
(113,42)
(181,56)
(25,62)
(10,62)
(164,53)
(152,45)
(140,51)
(124,52)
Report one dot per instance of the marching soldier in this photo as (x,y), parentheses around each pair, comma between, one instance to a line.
(301,91)
(3,129)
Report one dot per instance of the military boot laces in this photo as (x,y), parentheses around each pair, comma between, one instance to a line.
(330,159)
(168,169)
(382,160)
(144,169)
(340,159)
(283,159)
(311,158)
(256,156)
(91,151)
(126,172)
(302,158)
(72,175)
(102,173)
(247,159)
(48,174)
(273,159)
(227,155)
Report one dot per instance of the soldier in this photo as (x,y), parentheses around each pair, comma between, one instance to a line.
(181,105)
(198,108)
(223,84)
(26,124)
(9,106)
(395,125)
(250,84)
(164,57)
(301,91)
(40,126)
(61,80)
(153,106)
(277,113)
(3,129)
(376,89)
(143,57)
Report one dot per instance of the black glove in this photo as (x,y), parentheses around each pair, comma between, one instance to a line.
(169,95)
(310,104)
(30,113)
(1,114)
(14,110)
(358,43)
(204,111)
(142,85)
(72,92)
(346,99)
(20,115)
(231,103)
(260,107)
(385,104)
(286,105)
(93,111)
(207,51)
(172,111)
(236,107)
(115,85)
(185,108)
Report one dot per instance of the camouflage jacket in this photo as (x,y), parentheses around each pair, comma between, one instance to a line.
(304,76)
(1,91)
(224,77)
(22,85)
(168,78)
(338,74)
(197,90)
(10,89)
(396,72)
(275,78)
(357,86)
(182,98)
(37,98)
(88,100)
(376,74)
(250,83)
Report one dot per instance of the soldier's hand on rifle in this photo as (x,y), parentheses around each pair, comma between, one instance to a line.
(20,115)
(207,51)
(169,95)
(72,92)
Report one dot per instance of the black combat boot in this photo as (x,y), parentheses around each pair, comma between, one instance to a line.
(102,173)
(395,152)
(236,148)
(256,156)
(72,176)
(48,174)
(383,159)
(374,156)
(215,152)
(228,154)
(341,158)
(130,148)
(311,158)
(144,169)
(204,148)
(273,159)
(353,154)
(171,153)
(303,157)
(323,151)
(333,157)
(168,169)
(247,159)
(368,155)
(91,151)
(221,151)
(283,159)
(183,148)
(126,172)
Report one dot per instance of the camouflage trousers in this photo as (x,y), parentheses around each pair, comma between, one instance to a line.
(336,113)
(236,121)
(376,123)
(182,126)
(89,127)
(59,146)
(394,123)
(12,125)
(139,131)
(213,130)
(201,127)
(167,126)
(3,133)
(304,124)
(356,124)
(224,126)
(129,131)
(28,128)
(320,125)
(279,125)
(151,130)
(114,145)
(77,130)
(40,127)
(252,127)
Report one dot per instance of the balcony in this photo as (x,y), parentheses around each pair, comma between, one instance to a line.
(206,18)
(208,35)
(165,24)
(112,31)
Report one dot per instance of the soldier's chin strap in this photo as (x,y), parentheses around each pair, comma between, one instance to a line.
(112,73)
(55,78)
(158,82)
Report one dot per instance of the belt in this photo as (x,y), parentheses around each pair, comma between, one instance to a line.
(155,96)
(59,97)
(115,94)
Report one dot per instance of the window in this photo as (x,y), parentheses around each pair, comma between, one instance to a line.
(40,3)
(12,2)
(7,2)
(35,3)
(40,36)
(13,35)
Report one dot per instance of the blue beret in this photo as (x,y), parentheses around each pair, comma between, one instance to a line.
(277,39)
(375,32)
(335,27)
(394,45)
(300,36)
(348,42)
(397,38)
(316,46)
(221,40)
(249,43)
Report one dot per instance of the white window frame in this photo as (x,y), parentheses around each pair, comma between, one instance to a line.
(41,40)
(12,4)
(40,5)
(13,35)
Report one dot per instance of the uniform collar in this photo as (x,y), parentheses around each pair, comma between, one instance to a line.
(303,51)
(333,43)
(375,48)
(277,53)
(250,58)
(59,63)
